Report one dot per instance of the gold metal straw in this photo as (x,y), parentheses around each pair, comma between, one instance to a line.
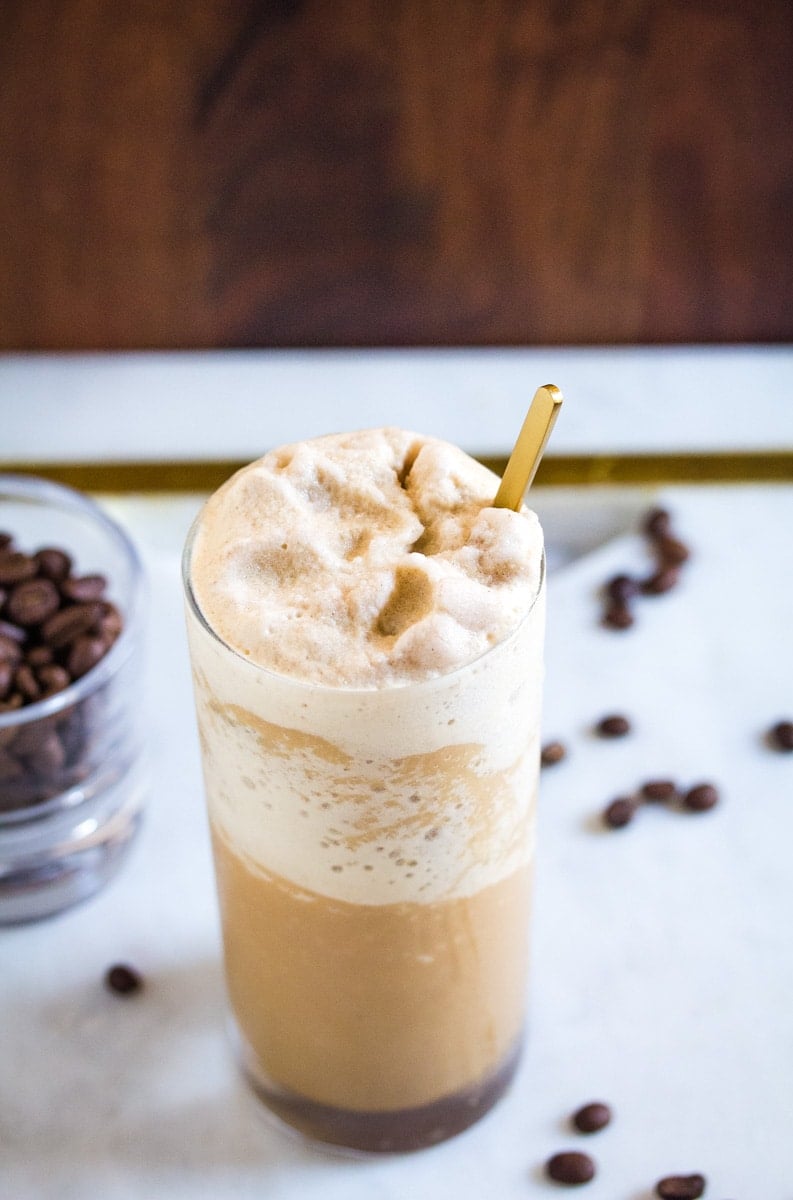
(532,440)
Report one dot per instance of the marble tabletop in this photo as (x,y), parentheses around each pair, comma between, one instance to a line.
(662,968)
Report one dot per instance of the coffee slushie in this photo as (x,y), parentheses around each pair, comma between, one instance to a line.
(366,634)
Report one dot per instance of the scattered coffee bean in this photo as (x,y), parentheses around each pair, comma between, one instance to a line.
(618,616)
(659,790)
(53,563)
(6,541)
(592,1117)
(680,1187)
(571,1166)
(32,602)
(661,581)
(552,753)
(15,567)
(88,587)
(620,812)
(657,523)
(672,552)
(621,589)
(701,798)
(123,979)
(614,726)
(781,736)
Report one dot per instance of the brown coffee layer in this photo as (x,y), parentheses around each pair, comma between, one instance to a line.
(392,1132)
(372,1008)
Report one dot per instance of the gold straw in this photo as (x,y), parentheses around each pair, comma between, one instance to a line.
(532,440)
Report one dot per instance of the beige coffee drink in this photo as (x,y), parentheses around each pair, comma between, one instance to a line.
(366,634)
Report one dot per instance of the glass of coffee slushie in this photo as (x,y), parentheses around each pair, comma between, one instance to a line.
(366,637)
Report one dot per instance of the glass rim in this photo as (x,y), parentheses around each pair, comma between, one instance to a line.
(309,685)
(37,490)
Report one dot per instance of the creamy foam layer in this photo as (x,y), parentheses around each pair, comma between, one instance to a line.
(380,796)
(364,560)
(412,776)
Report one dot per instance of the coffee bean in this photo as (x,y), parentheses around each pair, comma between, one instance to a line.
(614,726)
(672,552)
(571,1166)
(13,632)
(11,703)
(49,758)
(657,523)
(52,678)
(10,650)
(39,656)
(621,589)
(620,812)
(69,624)
(86,587)
(123,980)
(659,790)
(10,767)
(85,654)
(701,798)
(661,581)
(680,1187)
(592,1117)
(552,753)
(26,683)
(781,736)
(6,676)
(6,541)
(32,602)
(111,622)
(3,598)
(15,567)
(53,563)
(618,616)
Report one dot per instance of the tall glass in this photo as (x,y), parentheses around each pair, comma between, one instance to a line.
(373,853)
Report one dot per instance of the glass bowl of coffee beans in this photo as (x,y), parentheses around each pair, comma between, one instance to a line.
(71,787)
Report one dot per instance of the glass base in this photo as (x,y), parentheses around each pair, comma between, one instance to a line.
(394,1132)
(53,862)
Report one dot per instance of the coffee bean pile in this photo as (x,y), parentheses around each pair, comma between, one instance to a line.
(697,799)
(670,554)
(55,626)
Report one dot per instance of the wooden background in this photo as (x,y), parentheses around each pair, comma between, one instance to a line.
(181,173)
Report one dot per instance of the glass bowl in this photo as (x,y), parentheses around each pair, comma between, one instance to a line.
(71,785)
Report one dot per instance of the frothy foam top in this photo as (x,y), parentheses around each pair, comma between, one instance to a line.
(369,559)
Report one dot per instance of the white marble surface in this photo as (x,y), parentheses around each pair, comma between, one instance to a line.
(663,968)
(235,404)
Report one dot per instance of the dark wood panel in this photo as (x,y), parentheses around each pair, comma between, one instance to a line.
(411,172)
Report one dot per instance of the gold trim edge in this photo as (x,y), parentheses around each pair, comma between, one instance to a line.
(562,470)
